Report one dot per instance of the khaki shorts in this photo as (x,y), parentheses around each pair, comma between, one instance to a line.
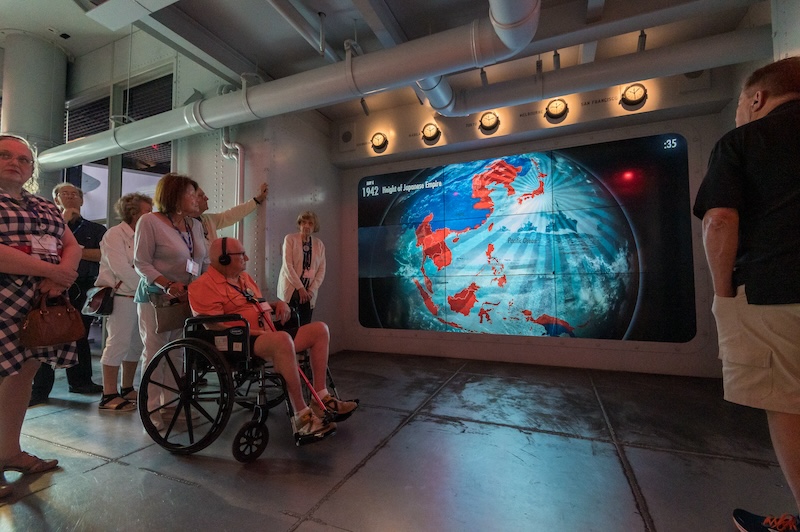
(759,346)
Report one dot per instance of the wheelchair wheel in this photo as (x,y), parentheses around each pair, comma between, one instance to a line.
(250,441)
(195,391)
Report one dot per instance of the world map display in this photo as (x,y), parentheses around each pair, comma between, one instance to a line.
(533,244)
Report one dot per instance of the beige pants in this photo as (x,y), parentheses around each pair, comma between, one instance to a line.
(759,346)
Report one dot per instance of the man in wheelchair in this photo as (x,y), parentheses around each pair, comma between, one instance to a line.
(226,288)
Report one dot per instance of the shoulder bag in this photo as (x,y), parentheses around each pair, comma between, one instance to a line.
(171,312)
(50,323)
(100,300)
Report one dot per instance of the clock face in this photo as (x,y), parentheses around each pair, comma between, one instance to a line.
(379,140)
(430,131)
(634,94)
(489,120)
(556,108)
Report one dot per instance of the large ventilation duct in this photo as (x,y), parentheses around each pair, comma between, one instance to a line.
(515,24)
(462,48)
(466,47)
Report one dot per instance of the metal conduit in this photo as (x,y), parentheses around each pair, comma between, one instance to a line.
(515,24)
(466,47)
(719,50)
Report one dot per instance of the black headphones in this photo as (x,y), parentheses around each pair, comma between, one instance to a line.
(224,259)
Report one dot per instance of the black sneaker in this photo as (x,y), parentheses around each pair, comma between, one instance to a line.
(37,400)
(86,388)
(747,522)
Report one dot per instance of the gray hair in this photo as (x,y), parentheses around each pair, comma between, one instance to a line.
(130,205)
(58,187)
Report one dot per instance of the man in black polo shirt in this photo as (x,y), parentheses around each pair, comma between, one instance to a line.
(749,202)
(69,199)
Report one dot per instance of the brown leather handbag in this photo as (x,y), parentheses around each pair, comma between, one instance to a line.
(51,322)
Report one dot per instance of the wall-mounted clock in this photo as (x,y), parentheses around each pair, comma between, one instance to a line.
(489,121)
(556,108)
(379,141)
(634,94)
(431,132)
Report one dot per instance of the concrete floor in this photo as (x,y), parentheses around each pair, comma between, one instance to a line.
(437,444)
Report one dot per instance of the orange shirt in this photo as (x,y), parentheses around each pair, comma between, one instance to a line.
(213,295)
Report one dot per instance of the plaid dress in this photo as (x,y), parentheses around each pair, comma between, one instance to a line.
(20,222)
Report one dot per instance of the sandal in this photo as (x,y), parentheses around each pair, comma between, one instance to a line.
(27,463)
(129,394)
(122,406)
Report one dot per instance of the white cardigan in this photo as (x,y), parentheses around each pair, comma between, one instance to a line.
(292,267)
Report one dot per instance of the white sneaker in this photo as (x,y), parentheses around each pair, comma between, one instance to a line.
(309,425)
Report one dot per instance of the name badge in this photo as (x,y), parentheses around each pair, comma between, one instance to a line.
(192,267)
(44,245)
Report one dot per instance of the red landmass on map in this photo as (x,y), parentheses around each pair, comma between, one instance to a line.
(432,308)
(432,243)
(463,301)
(499,172)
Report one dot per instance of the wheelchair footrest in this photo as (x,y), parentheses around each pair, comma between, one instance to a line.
(300,440)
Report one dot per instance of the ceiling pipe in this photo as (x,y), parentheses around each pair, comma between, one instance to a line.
(463,48)
(302,27)
(235,151)
(515,24)
(719,50)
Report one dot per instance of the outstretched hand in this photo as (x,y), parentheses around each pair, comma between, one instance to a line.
(262,193)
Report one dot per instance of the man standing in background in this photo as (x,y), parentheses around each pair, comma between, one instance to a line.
(749,202)
(69,200)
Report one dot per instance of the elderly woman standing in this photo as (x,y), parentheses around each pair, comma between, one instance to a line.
(123,344)
(38,253)
(169,253)
(303,268)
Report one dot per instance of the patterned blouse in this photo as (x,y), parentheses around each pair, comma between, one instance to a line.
(23,223)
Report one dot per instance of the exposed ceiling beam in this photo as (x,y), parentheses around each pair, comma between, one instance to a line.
(182,33)
(594,10)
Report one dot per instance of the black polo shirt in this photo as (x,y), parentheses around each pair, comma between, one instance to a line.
(755,169)
(88,234)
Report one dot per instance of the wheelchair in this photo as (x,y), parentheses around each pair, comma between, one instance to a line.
(203,376)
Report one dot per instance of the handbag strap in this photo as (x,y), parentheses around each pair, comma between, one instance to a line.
(42,302)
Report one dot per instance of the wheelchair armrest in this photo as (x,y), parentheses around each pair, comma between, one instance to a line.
(293,321)
(204,319)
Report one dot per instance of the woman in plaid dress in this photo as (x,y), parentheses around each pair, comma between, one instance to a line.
(38,253)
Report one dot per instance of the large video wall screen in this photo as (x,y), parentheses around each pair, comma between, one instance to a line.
(585,242)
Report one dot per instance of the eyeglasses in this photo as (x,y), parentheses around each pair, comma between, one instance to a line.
(21,159)
(69,194)
(238,253)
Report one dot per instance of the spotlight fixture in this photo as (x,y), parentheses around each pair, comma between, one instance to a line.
(556,60)
(379,141)
(484,78)
(489,122)
(364,106)
(642,42)
(431,133)
(539,66)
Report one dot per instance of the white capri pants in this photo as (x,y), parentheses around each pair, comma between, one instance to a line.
(154,341)
(124,343)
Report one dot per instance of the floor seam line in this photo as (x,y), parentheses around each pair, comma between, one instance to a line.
(627,468)
(381,444)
